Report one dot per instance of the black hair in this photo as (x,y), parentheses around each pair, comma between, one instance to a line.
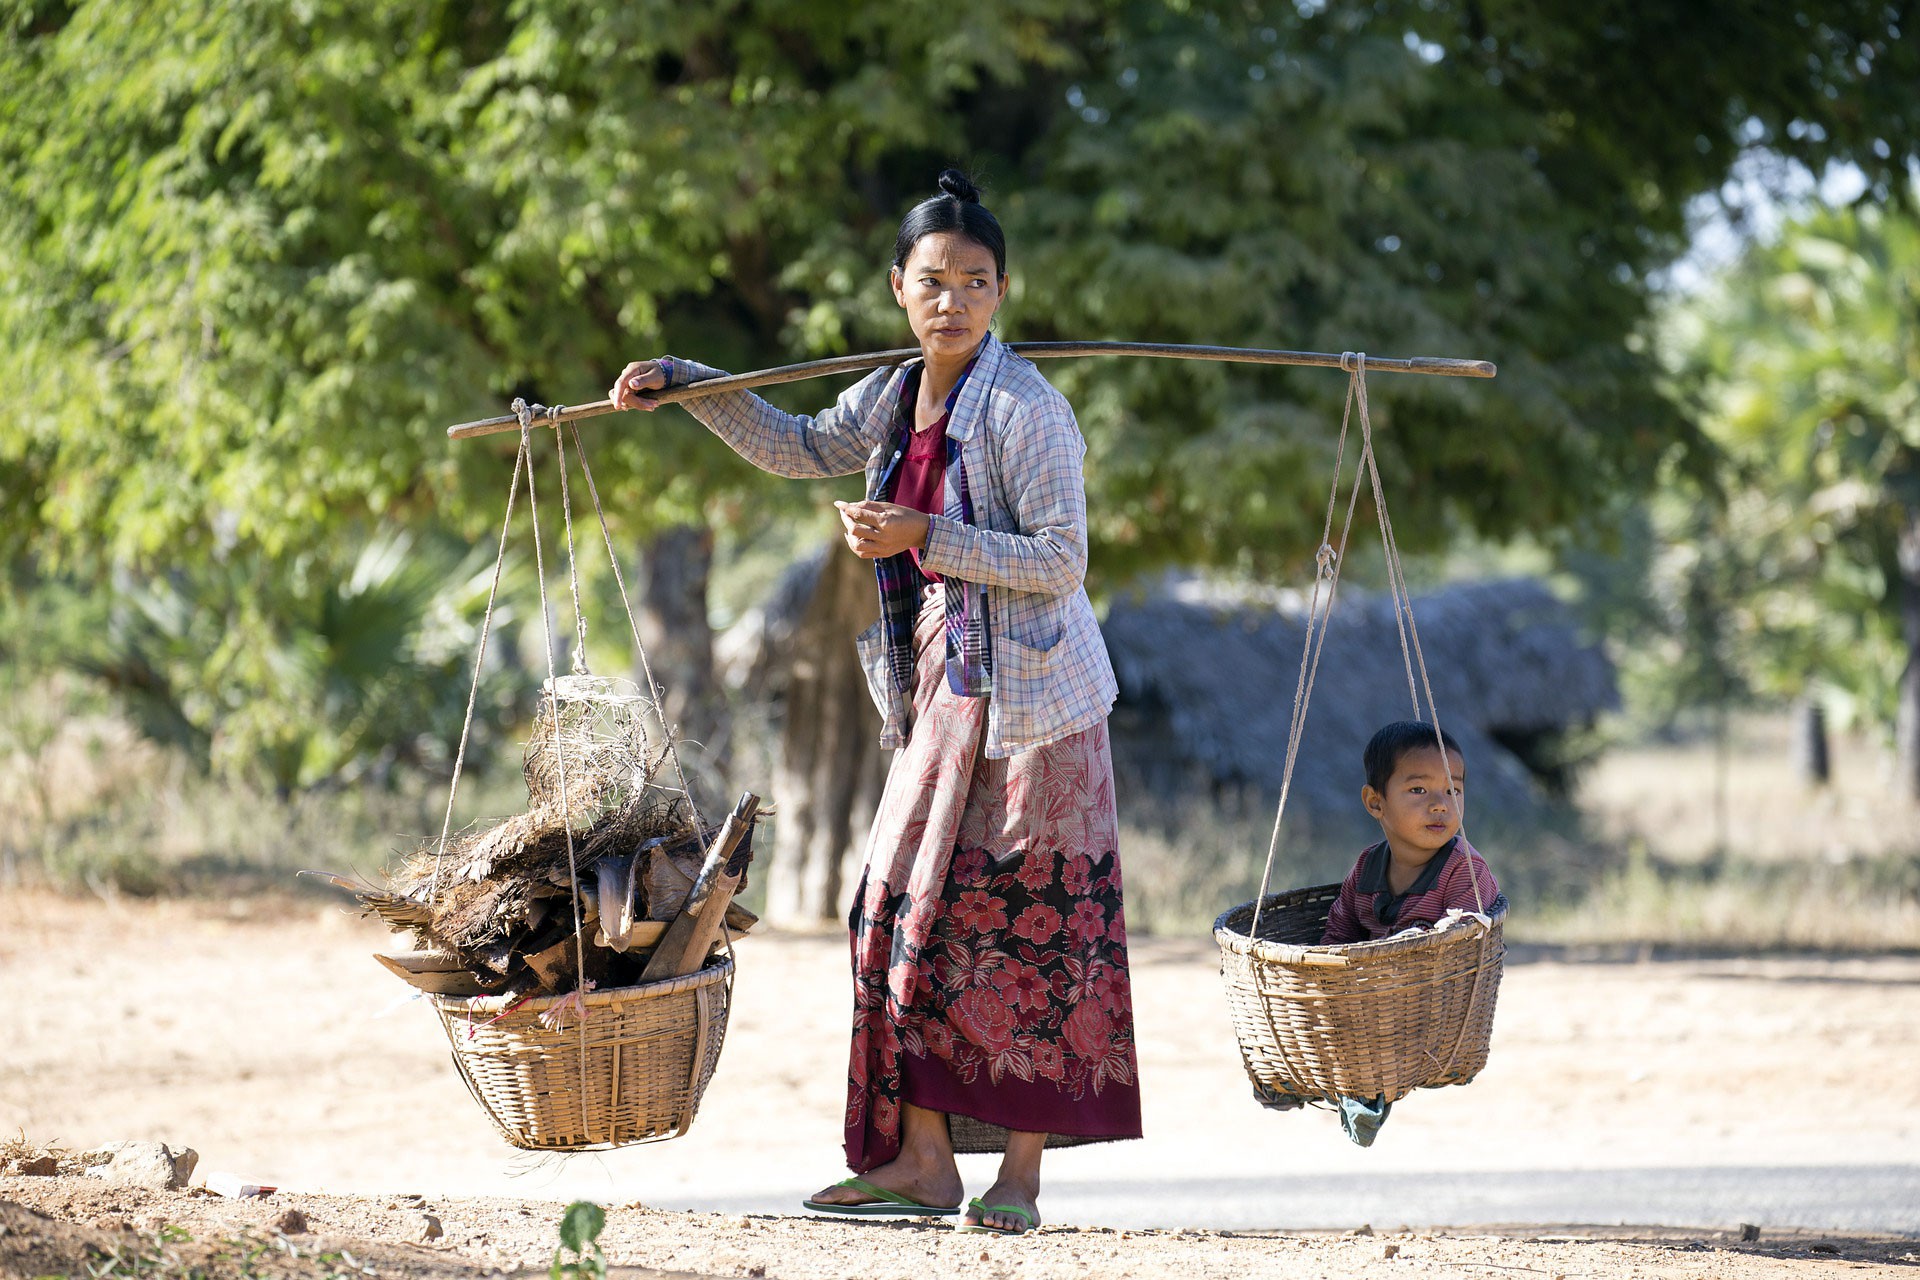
(956,208)
(1385,750)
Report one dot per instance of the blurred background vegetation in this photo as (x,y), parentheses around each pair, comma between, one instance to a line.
(256,255)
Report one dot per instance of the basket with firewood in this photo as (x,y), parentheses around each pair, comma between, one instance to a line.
(576,953)
(579,954)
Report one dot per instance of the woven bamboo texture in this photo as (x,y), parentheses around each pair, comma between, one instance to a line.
(1365,1019)
(649,1052)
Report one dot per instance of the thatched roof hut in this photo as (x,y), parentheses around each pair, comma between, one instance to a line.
(1207,681)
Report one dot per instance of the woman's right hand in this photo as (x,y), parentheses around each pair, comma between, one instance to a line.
(638,377)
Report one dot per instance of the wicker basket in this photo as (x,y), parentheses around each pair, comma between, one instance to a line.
(650,1051)
(1360,1020)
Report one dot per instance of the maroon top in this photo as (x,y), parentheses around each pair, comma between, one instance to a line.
(1367,907)
(923,475)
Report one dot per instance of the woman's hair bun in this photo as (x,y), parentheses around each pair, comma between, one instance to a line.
(959,186)
(956,207)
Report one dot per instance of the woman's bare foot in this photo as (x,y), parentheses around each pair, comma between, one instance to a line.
(924,1171)
(920,1180)
(1014,1193)
(1017,1187)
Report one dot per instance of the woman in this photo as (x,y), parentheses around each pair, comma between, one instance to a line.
(992,1010)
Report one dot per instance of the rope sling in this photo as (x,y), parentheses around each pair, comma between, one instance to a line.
(1367,1020)
(590,1069)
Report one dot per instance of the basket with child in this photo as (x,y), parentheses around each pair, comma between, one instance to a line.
(1355,994)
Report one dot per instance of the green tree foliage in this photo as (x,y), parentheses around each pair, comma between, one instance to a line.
(1495,180)
(258,253)
(359,671)
(266,250)
(1806,358)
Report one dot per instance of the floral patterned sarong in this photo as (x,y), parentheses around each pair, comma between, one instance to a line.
(989,945)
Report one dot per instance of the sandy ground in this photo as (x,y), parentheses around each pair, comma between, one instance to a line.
(260,1033)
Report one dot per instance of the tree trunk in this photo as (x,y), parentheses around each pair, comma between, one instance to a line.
(670,605)
(1906,724)
(831,769)
(1811,759)
(1722,777)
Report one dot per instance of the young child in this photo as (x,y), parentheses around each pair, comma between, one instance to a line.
(1424,868)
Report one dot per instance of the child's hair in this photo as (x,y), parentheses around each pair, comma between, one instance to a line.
(1395,741)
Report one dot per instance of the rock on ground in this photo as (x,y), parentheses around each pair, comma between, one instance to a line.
(143,1164)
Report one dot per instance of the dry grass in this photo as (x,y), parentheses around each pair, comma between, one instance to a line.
(1178,878)
(22,1156)
(96,809)
(1864,904)
(20,1148)
(1685,804)
(1729,848)
(1649,857)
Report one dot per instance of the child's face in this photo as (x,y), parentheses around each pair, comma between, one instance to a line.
(1416,811)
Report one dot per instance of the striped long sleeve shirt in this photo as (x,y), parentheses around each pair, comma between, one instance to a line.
(1368,909)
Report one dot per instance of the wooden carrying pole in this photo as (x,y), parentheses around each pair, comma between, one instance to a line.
(1436,365)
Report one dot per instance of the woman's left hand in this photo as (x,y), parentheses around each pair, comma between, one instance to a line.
(876,530)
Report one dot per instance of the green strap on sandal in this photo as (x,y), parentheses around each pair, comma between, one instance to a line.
(982,1210)
(885,1204)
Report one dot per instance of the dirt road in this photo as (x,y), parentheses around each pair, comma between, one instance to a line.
(262,1034)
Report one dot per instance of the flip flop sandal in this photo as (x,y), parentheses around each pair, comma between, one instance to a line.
(885,1204)
(974,1206)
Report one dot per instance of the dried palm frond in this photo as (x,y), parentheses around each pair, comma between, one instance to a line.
(499,896)
(490,890)
(406,909)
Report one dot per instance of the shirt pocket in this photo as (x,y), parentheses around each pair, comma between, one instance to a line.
(1027,682)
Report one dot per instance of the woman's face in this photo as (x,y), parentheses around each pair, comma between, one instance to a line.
(950,290)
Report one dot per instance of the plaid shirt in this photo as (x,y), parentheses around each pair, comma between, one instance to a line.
(1011,546)
(1367,910)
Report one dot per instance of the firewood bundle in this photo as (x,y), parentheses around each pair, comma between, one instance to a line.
(604,871)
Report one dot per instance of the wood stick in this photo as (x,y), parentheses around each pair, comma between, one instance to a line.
(616,877)
(1302,956)
(435,972)
(690,936)
(1441,366)
(667,886)
(644,934)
